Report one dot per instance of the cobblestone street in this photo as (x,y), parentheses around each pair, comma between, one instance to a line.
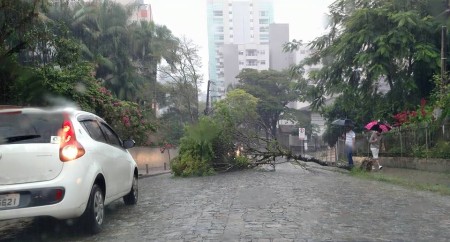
(290,204)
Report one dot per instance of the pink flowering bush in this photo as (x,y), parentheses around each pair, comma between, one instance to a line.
(127,118)
(424,114)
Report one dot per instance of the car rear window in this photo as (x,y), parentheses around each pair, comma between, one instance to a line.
(22,128)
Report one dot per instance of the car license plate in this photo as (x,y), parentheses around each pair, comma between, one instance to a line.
(9,200)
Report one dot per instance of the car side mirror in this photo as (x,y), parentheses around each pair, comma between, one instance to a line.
(129,143)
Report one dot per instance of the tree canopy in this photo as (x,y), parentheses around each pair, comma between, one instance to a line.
(378,58)
(87,54)
(275,90)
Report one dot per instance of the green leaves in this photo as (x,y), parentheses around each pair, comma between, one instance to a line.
(395,43)
(274,91)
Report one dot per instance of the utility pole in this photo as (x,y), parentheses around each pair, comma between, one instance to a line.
(443,54)
(207,99)
(446,14)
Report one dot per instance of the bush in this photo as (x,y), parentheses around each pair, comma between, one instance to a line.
(241,162)
(187,165)
(419,151)
(441,150)
(196,150)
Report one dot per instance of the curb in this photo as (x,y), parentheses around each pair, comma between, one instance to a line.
(140,176)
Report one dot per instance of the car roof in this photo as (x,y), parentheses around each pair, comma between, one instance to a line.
(70,110)
(5,108)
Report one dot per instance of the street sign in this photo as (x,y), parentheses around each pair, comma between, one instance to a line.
(301,133)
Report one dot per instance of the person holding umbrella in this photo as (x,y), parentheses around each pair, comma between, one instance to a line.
(377,128)
(375,143)
(349,143)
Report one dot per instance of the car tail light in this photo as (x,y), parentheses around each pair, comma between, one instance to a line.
(70,148)
(59,194)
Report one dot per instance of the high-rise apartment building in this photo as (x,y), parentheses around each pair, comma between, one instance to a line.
(238,38)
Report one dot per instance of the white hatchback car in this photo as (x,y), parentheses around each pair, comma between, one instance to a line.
(64,164)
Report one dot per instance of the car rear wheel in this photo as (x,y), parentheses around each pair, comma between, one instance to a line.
(95,211)
(132,197)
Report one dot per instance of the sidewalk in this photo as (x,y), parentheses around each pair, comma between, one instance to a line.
(409,177)
(143,172)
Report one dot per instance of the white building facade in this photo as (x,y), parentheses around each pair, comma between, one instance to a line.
(238,38)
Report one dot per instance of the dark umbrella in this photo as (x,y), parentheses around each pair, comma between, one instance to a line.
(342,122)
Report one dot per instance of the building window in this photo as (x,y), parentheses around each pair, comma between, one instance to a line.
(262,13)
(229,12)
(251,52)
(231,28)
(262,52)
(241,63)
(263,21)
(217,20)
(264,37)
(231,36)
(263,62)
(241,52)
(252,62)
(218,37)
(263,29)
(218,13)
(219,29)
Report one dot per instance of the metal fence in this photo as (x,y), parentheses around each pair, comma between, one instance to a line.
(422,142)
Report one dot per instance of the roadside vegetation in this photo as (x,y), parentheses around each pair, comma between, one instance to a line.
(89,55)
(380,60)
(437,182)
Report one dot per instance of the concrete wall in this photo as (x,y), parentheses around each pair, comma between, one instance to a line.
(152,157)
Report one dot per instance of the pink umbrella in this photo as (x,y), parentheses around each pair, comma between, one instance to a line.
(371,125)
(384,127)
(378,126)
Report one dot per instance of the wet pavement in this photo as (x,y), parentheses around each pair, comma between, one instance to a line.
(290,204)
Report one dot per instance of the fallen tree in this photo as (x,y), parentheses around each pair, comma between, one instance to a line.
(232,137)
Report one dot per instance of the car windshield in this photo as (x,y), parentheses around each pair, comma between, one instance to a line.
(19,128)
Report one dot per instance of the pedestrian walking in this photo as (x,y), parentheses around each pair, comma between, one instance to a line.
(349,143)
(375,144)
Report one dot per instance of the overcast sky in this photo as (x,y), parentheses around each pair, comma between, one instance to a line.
(306,19)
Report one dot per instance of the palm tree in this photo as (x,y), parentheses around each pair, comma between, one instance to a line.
(102,27)
(150,45)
